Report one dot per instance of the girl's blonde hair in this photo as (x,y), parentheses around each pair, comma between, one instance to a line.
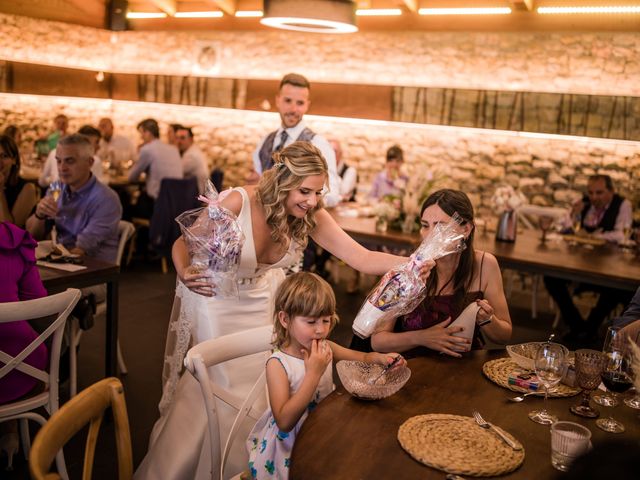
(302,294)
(291,166)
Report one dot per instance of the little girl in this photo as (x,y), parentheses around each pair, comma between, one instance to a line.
(299,370)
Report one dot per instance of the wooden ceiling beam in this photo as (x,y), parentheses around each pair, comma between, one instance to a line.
(227,6)
(412,5)
(167,6)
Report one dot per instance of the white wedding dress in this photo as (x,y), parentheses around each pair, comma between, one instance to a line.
(179,444)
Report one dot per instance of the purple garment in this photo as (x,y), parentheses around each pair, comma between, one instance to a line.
(20,280)
(382,185)
(88,218)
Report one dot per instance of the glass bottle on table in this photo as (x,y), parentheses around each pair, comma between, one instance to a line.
(550,364)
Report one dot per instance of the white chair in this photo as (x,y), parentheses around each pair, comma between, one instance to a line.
(213,352)
(24,409)
(125,232)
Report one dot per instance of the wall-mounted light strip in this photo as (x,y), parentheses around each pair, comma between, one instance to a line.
(465,11)
(378,12)
(593,9)
(248,13)
(212,14)
(141,15)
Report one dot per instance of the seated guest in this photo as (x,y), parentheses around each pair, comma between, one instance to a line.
(17,197)
(172,129)
(158,160)
(19,281)
(49,172)
(194,164)
(630,319)
(390,181)
(458,280)
(604,214)
(118,150)
(348,175)
(87,213)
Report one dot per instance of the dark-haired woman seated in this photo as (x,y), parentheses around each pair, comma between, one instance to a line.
(17,197)
(457,280)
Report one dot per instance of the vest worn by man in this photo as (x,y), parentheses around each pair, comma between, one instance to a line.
(608,220)
(266,151)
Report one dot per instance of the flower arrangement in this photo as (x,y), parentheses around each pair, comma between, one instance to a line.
(506,198)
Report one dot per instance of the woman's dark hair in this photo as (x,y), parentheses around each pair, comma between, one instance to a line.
(451,202)
(10,148)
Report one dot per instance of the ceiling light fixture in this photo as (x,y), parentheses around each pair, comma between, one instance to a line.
(248,13)
(465,11)
(593,9)
(318,16)
(142,15)
(211,14)
(378,12)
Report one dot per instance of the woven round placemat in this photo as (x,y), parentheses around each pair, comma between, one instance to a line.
(458,445)
(498,372)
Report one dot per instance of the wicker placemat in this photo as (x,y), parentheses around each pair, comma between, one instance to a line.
(459,445)
(498,372)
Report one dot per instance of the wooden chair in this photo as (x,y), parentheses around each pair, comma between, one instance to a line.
(25,409)
(87,407)
(219,350)
(125,232)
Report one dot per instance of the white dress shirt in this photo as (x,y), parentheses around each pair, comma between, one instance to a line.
(50,170)
(194,164)
(118,150)
(332,195)
(159,161)
(348,182)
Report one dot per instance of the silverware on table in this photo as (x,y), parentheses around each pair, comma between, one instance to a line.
(453,476)
(387,367)
(520,398)
(484,424)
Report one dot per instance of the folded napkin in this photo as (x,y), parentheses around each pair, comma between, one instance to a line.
(467,320)
(67,267)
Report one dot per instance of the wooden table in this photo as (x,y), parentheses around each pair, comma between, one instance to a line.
(605,265)
(96,273)
(355,439)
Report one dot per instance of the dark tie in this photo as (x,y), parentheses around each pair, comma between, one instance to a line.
(283,139)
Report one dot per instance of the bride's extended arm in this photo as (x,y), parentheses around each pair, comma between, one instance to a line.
(196,282)
(331,237)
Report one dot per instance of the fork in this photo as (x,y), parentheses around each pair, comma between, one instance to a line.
(484,424)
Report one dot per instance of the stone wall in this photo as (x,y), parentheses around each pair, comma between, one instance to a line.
(605,63)
(546,168)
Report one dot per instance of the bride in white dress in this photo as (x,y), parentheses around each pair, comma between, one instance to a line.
(276,216)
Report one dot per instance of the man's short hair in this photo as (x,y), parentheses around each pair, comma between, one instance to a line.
(395,153)
(61,115)
(79,140)
(296,80)
(151,126)
(187,129)
(608,182)
(89,131)
(175,127)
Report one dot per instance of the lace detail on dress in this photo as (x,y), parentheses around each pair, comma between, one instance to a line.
(178,341)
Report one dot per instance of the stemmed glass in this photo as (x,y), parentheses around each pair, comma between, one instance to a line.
(576,222)
(612,343)
(54,190)
(634,401)
(550,365)
(616,376)
(589,364)
(544,222)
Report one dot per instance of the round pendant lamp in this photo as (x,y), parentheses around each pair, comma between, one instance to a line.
(318,16)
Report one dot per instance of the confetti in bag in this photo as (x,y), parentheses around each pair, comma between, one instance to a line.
(214,241)
(401,289)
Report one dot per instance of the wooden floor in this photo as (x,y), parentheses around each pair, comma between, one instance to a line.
(146,296)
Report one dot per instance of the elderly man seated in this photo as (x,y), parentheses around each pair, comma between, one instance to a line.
(604,214)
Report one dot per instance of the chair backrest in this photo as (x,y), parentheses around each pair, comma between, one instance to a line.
(176,195)
(61,305)
(213,352)
(87,407)
(125,231)
(217,178)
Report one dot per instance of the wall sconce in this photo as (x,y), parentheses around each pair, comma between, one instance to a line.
(318,16)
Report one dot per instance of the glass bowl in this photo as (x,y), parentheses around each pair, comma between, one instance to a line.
(355,377)
(524,354)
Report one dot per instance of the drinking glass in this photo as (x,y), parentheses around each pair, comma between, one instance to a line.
(611,343)
(550,366)
(544,222)
(589,364)
(568,441)
(576,222)
(616,376)
(634,401)
(54,190)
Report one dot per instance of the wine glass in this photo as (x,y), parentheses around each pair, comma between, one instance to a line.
(550,366)
(576,222)
(54,190)
(634,401)
(616,376)
(589,364)
(611,343)
(544,222)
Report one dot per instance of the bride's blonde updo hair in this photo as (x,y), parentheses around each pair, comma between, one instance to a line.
(291,166)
